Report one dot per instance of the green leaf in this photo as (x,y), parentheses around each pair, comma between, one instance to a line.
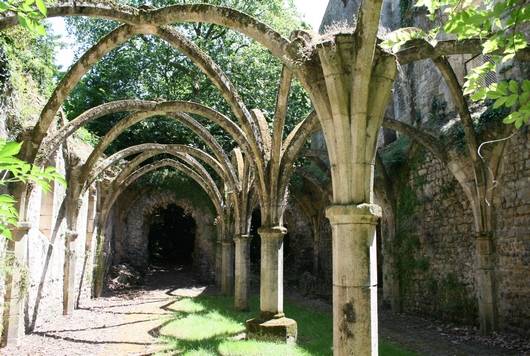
(526,85)
(511,100)
(499,102)
(10,149)
(513,86)
(41,6)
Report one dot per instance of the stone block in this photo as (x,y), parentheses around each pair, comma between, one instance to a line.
(276,329)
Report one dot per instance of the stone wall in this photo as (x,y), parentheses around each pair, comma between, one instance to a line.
(131,234)
(513,235)
(435,252)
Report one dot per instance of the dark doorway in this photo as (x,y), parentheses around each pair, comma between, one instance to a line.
(171,237)
(255,241)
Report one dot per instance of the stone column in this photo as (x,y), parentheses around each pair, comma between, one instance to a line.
(485,282)
(15,282)
(69,272)
(354,278)
(218,263)
(242,272)
(272,323)
(227,267)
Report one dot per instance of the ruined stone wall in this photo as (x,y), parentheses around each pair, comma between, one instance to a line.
(512,235)
(435,251)
(131,236)
(45,254)
(436,255)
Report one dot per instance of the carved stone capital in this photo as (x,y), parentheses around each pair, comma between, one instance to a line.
(275,232)
(21,230)
(354,214)
(242,238)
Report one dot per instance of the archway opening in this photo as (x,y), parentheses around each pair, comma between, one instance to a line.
(171,237)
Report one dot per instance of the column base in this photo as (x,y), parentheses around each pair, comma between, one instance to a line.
(279,328)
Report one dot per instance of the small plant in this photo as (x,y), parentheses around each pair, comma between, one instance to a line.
(14,170)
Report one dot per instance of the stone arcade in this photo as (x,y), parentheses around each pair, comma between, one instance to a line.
(349,79)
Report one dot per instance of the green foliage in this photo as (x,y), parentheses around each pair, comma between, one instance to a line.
(27,68)
(148,68)
(395,154)
(29,13)
(14,170)
(86,136)
(498,24)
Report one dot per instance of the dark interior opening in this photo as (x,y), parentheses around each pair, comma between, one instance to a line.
(255,242)
(171,237)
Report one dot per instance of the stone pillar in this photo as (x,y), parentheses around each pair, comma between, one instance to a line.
(218,263)
(486,282)
(354,278)
(272,323)
(15,282)
(242,272)
(227,267)
(69,272)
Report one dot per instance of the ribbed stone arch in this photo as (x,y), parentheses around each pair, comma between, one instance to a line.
(120,182)
(173,149)
(250,141)
(222,16)
(122,125)
(122,35)
(206,183)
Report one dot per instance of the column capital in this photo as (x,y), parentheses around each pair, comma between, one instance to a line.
(354,214)
(242,237)
(71,235)
(20,230)
(272,232)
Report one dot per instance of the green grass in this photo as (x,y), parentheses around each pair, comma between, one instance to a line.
(209,325)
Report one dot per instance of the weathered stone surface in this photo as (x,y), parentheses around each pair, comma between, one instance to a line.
(272,329)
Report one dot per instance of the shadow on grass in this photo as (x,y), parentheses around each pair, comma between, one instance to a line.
(209,325)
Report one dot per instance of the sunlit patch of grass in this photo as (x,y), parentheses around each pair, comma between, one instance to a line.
(202,326)
(209,325)
(186,305)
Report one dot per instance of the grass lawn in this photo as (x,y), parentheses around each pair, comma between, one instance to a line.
(209,325)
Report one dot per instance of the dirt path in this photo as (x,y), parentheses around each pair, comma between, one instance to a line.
(123,324)
(117,325)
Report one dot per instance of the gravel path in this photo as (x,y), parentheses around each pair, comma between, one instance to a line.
(117,325)
(123,324)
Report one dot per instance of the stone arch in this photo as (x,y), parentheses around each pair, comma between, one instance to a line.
(120,36)
(222,166)
(217,15)
(202,178)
